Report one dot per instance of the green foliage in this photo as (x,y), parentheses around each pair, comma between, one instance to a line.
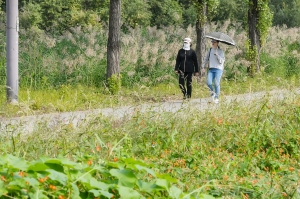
(251,56)
(265,20)
(286,12)
(114,83)
(165,13)
(211,7)
(238,150)
(62,178)
(137,13)
(30,16)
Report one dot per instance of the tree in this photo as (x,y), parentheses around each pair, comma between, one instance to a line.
(259,23)
(206,9)
(114,47)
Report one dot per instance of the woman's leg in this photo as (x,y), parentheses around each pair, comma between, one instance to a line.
(210,76)
(218,74)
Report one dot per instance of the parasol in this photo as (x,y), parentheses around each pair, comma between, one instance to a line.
(222,37)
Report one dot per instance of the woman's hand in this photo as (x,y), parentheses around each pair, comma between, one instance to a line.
(176,71)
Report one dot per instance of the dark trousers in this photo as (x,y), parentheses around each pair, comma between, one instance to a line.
(185,83)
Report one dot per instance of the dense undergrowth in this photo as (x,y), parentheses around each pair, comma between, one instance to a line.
(232,151)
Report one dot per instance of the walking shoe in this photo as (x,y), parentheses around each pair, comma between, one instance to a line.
(213,97)
(216,100)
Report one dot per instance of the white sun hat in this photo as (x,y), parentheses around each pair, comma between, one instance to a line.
(187,40)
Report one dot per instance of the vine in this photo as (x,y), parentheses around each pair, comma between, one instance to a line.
(211,6)
(251,55)
(265,20)
(114,83)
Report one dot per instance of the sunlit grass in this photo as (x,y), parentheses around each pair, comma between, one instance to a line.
(233,151)
(75,98)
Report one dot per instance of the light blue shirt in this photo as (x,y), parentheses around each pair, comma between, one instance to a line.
(215,61)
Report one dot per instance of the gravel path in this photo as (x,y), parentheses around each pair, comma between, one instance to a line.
(28,124)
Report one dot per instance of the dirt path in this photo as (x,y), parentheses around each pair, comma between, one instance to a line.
(28,124)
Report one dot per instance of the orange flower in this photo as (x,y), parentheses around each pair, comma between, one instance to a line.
(225,177)
(115,159)
(220,121)
(52,187)
(98,148)
(21,173)
(291,169)
(61,197)
(90,162)
(3,178)
(42,180)
(284,194)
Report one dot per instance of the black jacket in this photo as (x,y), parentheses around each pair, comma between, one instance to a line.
(186,61)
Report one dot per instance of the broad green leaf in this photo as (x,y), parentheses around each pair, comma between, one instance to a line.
(51,160)
(175,192)
(38,166)
(17,163)
(133,161)
(125,177)
(163,183)
(60,177)
(129,193)
(84,178)
(101,193)
(71,164)
(205,196)
(147,186)
(2,189)
(100,185)
(75,194)
(56,167)
(38,194)
(32,181)
(3,160)
(17,184)
(167,177)
(150,171)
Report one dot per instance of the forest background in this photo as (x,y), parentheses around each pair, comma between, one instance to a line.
(63,46)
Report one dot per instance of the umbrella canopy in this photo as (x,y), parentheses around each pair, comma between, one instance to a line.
(220,37)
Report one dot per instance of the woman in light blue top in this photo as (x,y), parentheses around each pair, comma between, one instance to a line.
(215,58)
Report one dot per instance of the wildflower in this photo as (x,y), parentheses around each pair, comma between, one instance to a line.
(21,173)
(90,162)
(115,159)
(291,169)
(98,148)
(284,194)
(3,178)
(42,180)
(52,187)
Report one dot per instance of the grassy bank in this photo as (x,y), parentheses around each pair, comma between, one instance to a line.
(235,151)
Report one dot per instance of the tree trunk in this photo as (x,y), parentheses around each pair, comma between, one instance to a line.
(253,17)
(114,42)
(200,31)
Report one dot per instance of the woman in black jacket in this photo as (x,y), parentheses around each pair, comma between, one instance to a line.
(186,65)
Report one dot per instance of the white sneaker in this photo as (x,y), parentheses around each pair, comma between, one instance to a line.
(216,100)
(213,97)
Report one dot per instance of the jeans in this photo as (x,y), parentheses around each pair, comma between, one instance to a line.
(185,83)
(215,75)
